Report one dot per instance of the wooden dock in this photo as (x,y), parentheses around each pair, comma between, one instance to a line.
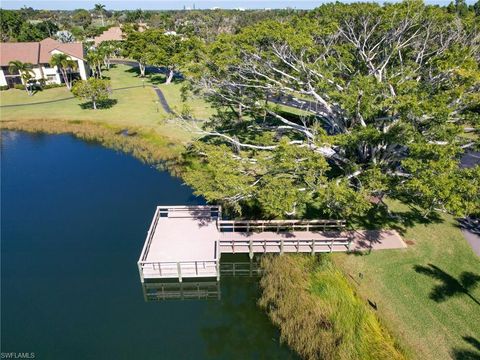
(187,241)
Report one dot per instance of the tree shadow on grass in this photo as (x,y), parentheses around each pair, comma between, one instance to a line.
(470,224)
(449,285)
(468,353)
(156,79)
(379,217)
(105,104)
(133,70)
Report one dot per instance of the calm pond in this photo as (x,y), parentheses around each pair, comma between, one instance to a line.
(74,216)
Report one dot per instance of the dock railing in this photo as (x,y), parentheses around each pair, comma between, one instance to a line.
(179,269)
(150,233)
(279,225)
(200,211)
(331,230)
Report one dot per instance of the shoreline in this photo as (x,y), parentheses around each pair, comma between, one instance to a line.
(148,147)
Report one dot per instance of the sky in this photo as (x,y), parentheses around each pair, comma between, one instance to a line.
(170,4)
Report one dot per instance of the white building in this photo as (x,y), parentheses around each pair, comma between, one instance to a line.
(39,55)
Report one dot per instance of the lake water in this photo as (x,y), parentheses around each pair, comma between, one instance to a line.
(74,216)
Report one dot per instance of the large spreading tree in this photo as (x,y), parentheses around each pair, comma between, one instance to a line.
(386,92)
(159,48)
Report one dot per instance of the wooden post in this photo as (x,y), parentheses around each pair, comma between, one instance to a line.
(218,269)
(281,246)
(196,268)
(140,271)
(313,247)
(331,245)
(250,245)
(179,270)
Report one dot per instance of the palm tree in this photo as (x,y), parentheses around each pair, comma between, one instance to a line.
(95,59)
(26,73)
(100,9)
(65,65)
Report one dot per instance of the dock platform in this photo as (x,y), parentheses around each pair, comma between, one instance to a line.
(187,241)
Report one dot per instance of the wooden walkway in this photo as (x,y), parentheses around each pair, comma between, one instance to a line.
(187,241)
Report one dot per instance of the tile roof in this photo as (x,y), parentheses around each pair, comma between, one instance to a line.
(37,52)
(114,33)
(25,52)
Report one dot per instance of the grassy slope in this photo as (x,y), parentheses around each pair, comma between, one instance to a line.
(431,328)
(318,313)
(135,108)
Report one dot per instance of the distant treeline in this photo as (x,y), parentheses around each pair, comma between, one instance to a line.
(28,24)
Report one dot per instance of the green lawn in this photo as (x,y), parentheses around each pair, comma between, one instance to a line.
(425,294)
(196,105)
(135,108)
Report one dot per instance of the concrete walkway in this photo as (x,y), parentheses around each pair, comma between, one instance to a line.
(163,101)
(376,240)
(473,240)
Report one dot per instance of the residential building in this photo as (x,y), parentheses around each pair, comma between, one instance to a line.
(112,34)
(39,55)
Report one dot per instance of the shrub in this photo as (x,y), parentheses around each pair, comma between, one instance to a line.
(4,87)
(51,86)
(19,86)
(95,90)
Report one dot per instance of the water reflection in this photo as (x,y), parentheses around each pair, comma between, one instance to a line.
(200,289)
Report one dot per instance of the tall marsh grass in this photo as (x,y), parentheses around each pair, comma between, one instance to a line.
(148,147)
(318,312)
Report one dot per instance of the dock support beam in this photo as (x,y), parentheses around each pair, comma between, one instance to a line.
(179,269)
(313,247)
(250,248)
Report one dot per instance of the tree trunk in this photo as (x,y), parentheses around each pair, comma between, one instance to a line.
(169,77)
(65,78)
(94,104)
(142,69)
(240,112)
(103,23)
